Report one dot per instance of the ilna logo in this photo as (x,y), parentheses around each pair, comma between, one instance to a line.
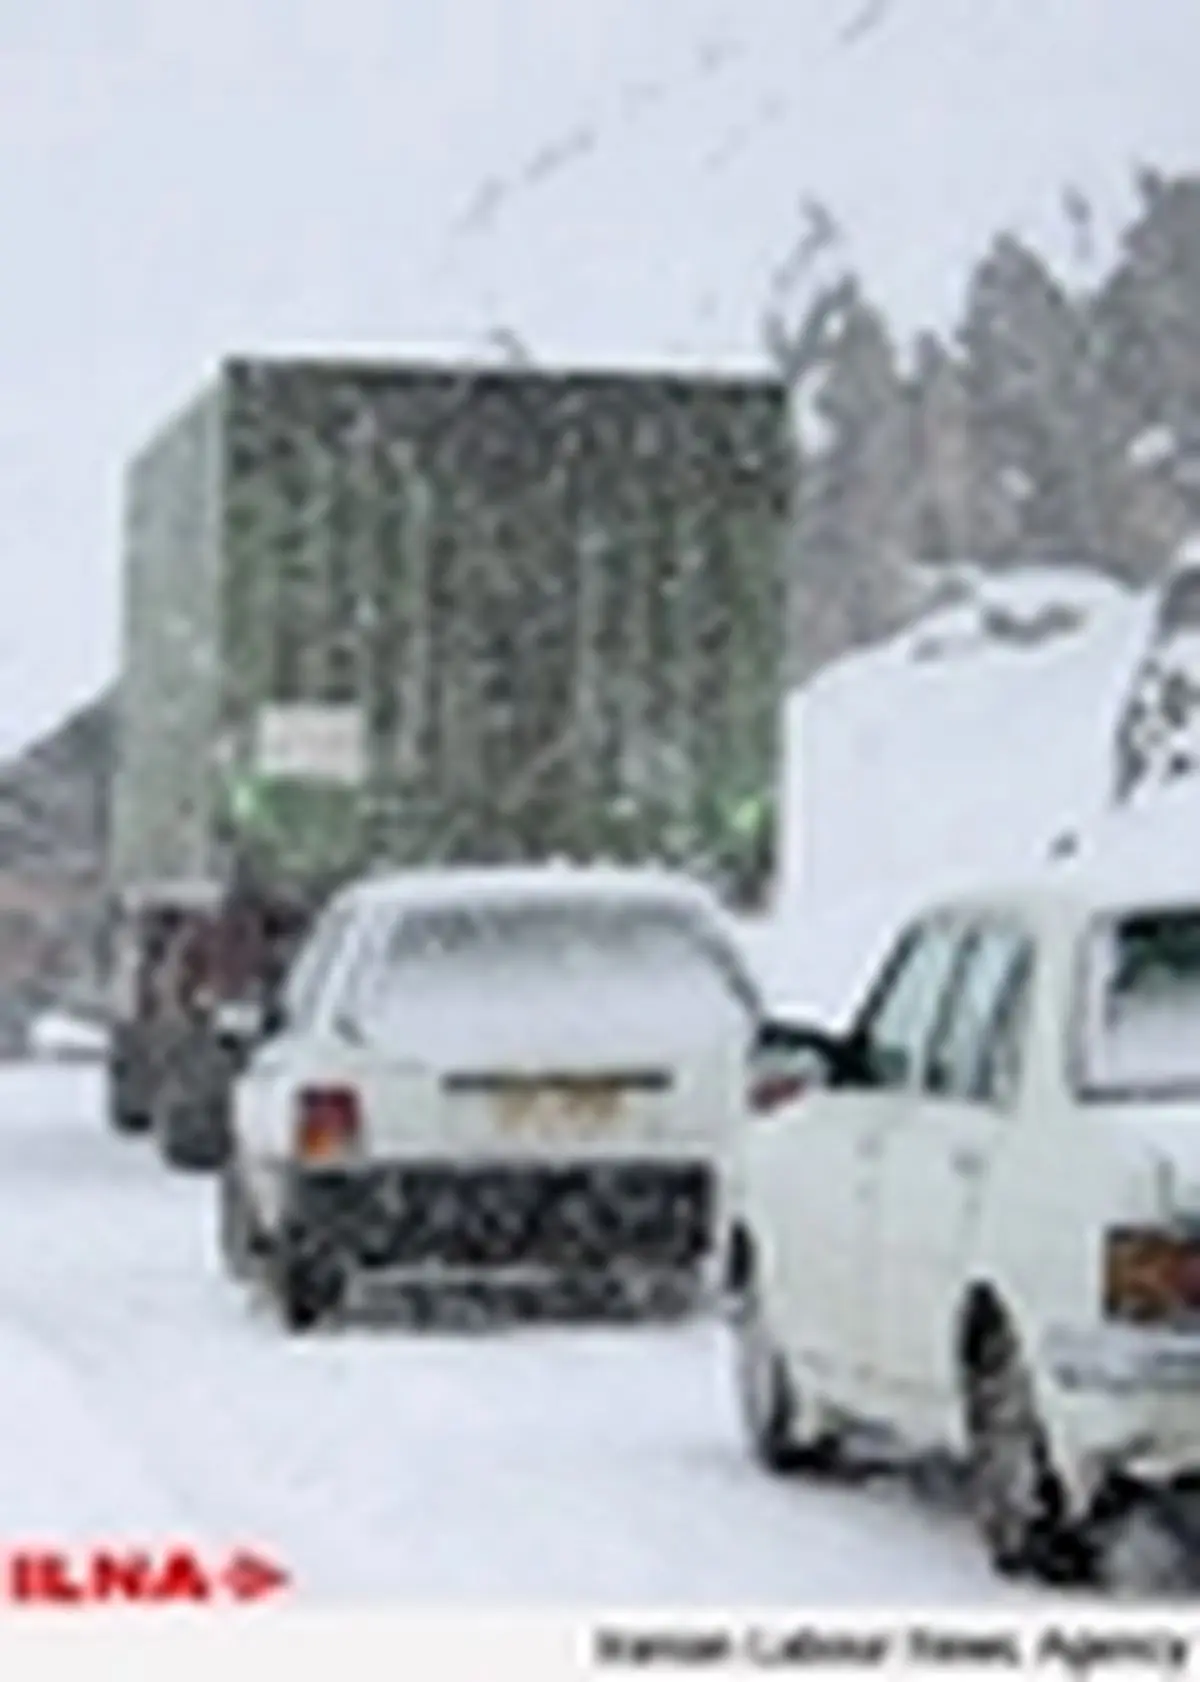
(162,1576)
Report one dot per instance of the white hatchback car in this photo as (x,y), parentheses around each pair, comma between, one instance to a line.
(498,1076)
(973,1221)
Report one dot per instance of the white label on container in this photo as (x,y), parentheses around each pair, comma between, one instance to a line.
(319,743)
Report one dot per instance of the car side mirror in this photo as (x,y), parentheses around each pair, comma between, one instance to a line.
(788,1059)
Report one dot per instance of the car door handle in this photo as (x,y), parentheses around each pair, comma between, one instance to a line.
(967,1162)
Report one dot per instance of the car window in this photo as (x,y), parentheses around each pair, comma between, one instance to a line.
(1140,1006)
(313,963)
(358,985)
(1001,1061)
(974,1051)
(894,1031)
(573,941)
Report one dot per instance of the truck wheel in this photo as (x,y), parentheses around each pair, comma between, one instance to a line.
(123,1117)
(1018,1498)
(124,1120)
(766,1393)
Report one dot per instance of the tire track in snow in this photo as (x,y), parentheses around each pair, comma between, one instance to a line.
(68,1475)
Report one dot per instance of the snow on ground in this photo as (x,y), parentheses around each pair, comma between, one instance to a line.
(59,1034)
(144,1401)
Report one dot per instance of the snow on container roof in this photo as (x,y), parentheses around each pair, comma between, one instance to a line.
(474,884)
(185,893)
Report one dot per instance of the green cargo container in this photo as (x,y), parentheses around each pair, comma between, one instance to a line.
(430,613)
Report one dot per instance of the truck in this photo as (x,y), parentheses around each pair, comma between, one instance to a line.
(416,613)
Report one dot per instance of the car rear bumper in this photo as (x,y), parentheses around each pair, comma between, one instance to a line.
(515,1220)
(1129,1397)
(1125,1361)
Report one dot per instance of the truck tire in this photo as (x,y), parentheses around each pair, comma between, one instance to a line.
(124,1120)
(125,1114)
(191,1130)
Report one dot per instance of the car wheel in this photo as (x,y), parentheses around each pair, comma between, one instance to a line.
(307,1288)
(235,1223)
(767,1395)
(1016,1495)
(1140,1553)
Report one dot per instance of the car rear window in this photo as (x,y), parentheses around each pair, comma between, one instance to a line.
(1141,1005)
(562,940)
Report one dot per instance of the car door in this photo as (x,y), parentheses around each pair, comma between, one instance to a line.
(821,1176)
(933,1164)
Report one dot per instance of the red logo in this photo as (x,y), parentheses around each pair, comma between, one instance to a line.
(106,1576)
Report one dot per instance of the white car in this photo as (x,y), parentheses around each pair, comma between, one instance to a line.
(60,1037)
(497,1076)
(972,1220)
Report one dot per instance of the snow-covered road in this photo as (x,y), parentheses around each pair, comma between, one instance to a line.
(144,1401)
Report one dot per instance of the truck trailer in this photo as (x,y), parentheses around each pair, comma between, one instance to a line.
(417,614)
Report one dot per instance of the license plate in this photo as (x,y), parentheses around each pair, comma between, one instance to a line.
(573,1109)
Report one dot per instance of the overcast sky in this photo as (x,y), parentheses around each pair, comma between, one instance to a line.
(611,178)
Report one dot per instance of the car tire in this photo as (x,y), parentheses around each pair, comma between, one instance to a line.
(1141,1553)
(236,1229)
(1018,1499)
(767,1396)
(307,1288)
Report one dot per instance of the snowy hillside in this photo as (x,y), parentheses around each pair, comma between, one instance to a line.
(972,737)
(1148,847)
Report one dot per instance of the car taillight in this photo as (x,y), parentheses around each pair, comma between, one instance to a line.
(770,1092)
(328,1123)
(1151,1276)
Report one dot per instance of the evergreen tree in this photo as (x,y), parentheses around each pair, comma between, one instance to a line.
(1040,415)
(857,512)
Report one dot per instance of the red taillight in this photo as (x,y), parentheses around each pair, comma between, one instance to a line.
(771,1092)
(328,1123)
(1151,1276)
